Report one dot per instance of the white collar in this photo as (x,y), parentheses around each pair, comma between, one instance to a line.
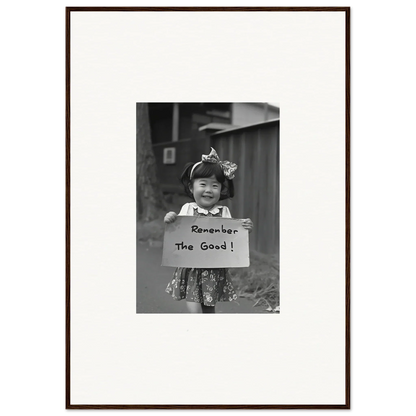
(214,210)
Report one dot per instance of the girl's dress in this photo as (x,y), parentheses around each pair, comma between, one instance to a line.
(206,286)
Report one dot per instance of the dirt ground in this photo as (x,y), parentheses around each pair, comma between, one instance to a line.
(152,280)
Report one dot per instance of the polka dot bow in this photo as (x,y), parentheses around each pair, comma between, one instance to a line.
(228,167)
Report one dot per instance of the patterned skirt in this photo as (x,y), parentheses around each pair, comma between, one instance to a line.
(206,286)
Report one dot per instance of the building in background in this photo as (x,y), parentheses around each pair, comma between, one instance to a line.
(245,133)
(181,132)
(171,122)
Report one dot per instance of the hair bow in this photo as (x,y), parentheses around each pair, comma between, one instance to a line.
(228,167)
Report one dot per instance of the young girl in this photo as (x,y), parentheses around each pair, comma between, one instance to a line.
(206,182)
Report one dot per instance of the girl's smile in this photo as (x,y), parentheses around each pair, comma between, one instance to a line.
(206,191)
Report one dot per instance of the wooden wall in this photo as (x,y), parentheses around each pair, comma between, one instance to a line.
(255,149)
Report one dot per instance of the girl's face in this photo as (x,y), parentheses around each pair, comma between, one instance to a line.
(206,191)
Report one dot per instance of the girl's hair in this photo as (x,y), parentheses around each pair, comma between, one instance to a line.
(205,170)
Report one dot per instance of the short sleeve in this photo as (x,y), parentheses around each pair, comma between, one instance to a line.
(226,212)
(185,210)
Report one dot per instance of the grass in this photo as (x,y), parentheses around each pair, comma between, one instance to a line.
(259,282)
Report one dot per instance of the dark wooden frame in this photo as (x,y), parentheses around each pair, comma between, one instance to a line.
(347,205)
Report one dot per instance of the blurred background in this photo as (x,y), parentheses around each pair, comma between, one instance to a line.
(169,135)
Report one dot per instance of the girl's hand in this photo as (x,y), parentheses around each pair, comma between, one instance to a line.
(248,224)
(170,217)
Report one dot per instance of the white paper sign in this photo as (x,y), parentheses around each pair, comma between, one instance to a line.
(205,242)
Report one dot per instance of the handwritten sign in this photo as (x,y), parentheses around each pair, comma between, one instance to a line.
(205,242)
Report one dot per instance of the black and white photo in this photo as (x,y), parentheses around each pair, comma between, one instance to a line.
(175,177)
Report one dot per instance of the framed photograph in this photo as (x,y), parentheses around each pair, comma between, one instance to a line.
(208,171)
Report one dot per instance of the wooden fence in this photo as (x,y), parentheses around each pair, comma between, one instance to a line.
(255,149)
